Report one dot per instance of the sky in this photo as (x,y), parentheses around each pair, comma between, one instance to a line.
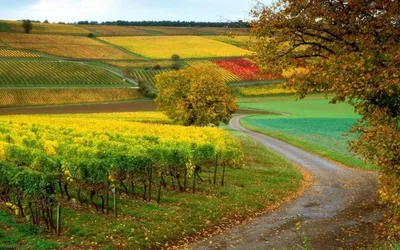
(130,10)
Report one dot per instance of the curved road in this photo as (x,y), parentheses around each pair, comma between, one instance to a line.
(338,211)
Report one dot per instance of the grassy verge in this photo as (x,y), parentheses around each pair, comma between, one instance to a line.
(265,182)
(342,158)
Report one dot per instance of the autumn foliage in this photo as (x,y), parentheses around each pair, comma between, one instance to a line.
(351,50)
(195,96)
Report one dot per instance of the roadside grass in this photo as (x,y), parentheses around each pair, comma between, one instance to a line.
(265,182)
(312,124)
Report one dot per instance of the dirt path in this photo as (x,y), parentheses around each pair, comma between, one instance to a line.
(337,212)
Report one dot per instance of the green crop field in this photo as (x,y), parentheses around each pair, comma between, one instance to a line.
(313,124)
(147,75)
(49,73)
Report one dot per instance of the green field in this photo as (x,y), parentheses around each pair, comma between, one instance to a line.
(313,124)
(59,74)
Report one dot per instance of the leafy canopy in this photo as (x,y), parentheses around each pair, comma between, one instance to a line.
(351,50)
(195,96)
(27,26)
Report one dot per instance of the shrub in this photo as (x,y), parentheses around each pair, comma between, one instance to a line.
(157,67)
(90,35)
(147,89)
(176,66)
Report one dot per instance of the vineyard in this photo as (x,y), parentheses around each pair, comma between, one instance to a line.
(162,47)
(170,31)
(13,53)
(65,74)
(245,69)
(22,97)
(43,159)
(226,75)
(263,90)
(147,75)
(64,46)
(115,30)
(238,41)
(47,28)
(142,64)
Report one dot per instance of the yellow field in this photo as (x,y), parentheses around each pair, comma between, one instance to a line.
(147,117)
(162,47)
(64,46)
(141,64)
(115,30)
(244,42)
(271,89)
(13,53)
(47,28)
(225,74)
(20,97)
(192,30)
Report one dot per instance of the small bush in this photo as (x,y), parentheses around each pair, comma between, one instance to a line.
(90,35)
(176,66)
(175,57)
(157,67)
(147,89)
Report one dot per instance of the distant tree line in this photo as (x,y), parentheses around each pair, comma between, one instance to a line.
(238,24)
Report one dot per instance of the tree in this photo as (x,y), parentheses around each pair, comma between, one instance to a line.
(46,21)
(175,57)
(348,48)
(27,26)
(195,96)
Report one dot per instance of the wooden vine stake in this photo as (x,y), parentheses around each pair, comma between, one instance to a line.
(107,194)
(58,227)
(115,202)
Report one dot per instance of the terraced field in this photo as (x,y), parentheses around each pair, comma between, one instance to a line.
(65,46)
(226,75)
(147,75)
(245,69)
(14,53)
(142,64)
(47,28)
(192,31)
(115,30)
(239,41)
(263,90)
(46,73)
(23,97)
(162,47)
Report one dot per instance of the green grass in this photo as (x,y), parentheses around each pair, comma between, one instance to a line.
(21,236)
(266,180)
(312,124)
(4,27)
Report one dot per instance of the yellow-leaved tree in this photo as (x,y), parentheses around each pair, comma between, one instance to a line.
(350,50)
(195,96)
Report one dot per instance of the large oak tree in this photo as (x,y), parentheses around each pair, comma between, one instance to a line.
(351,50)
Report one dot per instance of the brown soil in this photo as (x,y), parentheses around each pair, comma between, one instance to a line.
(89,108)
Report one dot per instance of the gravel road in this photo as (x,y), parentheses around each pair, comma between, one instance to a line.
(338,211)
